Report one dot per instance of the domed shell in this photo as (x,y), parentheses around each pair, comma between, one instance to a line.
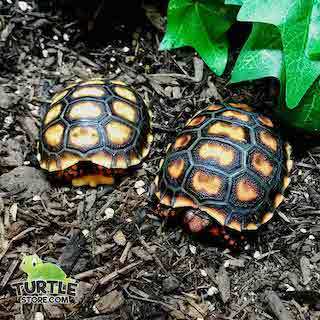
(231,163)
(104,122)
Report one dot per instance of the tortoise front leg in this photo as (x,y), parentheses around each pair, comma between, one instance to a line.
(197,222)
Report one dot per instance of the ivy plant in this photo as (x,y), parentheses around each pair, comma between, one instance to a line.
(284,43)
(292,18)
(261,57)
(201,24)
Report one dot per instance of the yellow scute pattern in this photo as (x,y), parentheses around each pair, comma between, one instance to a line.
(118,133)
(268,140)
(54,135)
(228,130)
(85,110)
(125,111)
(224,155)
(182,141)
(261,164)
(126,93)
(93,91)
(206,183)
(246,190)
(196,121)
(83,136)
(176,168)
(53,113)
(235,115)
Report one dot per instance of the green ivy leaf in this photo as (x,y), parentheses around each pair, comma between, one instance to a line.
(313,44)
(234,2)
(306,115)
(261,56)
(201,24)
(292,17)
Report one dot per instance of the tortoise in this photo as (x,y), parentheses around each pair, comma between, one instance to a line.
(94,130)
(226,170)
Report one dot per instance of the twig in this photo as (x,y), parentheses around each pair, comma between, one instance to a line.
(156,259)
(116,273)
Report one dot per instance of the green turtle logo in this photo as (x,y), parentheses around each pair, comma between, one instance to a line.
(36,269)
(46,283)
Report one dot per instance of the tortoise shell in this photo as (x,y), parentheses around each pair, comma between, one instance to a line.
(105,123)
(229,162)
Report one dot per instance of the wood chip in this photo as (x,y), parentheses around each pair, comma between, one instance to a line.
(109,303)
(223,282)
(305,269)
(276,306)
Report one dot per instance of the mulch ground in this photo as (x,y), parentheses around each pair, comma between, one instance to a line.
(130,263)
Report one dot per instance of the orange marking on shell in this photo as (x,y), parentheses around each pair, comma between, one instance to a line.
(286,182)
(268,140)
(207,183)
(260,162)
(251,226)
(266,217)
(83,136)
(183,201)
(53,113)
(118,133)
(224,155)
(236,115)
(53,136)
(196,121)
(126,93)
(241,106)
(229,130)
(266,121)
(246,190)
(95,91)
(218,214)
(182,141)
(214,107)
(85,110)
(234,225)
(176,168)
(278,199)
(166,200)
(125,111)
